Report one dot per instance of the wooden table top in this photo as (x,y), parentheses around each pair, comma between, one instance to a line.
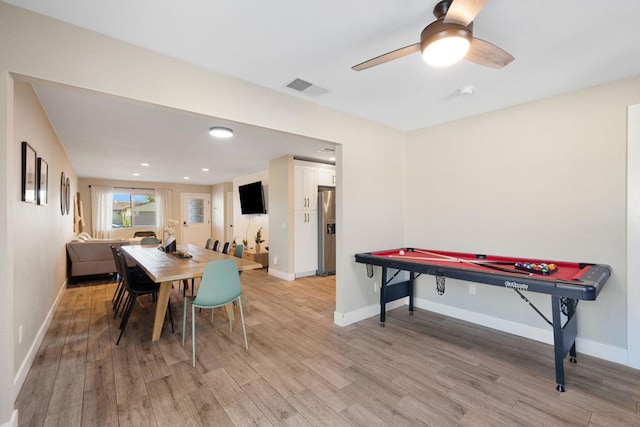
(163,267)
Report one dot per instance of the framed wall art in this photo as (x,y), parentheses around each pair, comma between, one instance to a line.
(63,195)
(43,181)
(28,173)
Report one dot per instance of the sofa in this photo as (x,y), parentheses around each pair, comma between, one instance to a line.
(87,256)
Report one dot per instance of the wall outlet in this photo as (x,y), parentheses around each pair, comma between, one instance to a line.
(275,260)
(472,288)
(375,287)
(20,334)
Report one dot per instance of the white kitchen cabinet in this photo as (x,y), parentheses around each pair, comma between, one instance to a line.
(305,187)
(305,241)
(326,177)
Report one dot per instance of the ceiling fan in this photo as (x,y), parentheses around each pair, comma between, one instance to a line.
(448,39)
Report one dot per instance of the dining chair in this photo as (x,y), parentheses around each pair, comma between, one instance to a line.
(144,234)
(220,285)
(150,241)
(134,270)
(208,244)
(238,252)
(225,248)
(135,286)
(216,245)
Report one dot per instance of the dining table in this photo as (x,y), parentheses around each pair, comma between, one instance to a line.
(188,262)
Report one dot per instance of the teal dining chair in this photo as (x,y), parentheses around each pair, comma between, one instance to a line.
(238,252)
(150,241)
(219,286)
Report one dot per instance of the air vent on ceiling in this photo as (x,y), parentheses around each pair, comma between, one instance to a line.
(305,87)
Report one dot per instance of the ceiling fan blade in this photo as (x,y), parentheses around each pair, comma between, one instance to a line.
(463,11)
(488,54)
(389,56)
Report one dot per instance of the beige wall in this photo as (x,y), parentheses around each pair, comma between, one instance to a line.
(39,273)
(543,180)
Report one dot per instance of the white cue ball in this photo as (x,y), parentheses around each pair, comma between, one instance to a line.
(401,252)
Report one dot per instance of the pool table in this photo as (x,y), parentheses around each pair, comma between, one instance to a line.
(566,282)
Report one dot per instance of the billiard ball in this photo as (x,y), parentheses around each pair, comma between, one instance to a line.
(401,252)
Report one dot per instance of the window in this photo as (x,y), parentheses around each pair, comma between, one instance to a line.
(135,208)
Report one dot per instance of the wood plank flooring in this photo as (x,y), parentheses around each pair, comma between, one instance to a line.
(301,370)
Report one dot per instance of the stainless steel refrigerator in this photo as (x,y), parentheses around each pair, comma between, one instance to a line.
(326,231)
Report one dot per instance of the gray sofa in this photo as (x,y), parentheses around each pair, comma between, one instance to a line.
(87,256)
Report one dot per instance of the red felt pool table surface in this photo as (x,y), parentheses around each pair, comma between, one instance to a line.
(566,270)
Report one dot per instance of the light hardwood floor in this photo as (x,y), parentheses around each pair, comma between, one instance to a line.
(301,370)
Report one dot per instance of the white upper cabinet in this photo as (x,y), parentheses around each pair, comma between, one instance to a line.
(305,187)
(326,177)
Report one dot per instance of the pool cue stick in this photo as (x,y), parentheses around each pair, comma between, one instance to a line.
(450,259)
(495,267)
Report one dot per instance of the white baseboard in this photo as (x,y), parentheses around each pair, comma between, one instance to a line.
(21,375)
(281,275)
(592,348)
(345,319)
(545,335)
(13,422)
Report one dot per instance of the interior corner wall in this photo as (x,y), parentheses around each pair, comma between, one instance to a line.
(543,180)
(8,193)
(281,217)
(36,272)
(218,209)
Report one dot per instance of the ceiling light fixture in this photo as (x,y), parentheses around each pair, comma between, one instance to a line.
(205,169)
(220,132)
(445,44)
(144,164)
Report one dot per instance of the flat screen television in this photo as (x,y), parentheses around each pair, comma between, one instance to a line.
(252,198)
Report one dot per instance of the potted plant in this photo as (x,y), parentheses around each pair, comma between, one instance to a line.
(258,239)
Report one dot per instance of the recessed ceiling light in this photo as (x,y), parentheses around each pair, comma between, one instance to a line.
(186,177)
(136,174)
(144,164)
(220,132)
(333,159)
(205,169)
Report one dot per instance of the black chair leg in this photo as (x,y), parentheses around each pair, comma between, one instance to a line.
(127,314)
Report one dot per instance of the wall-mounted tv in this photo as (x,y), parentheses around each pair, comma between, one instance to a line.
(252,198)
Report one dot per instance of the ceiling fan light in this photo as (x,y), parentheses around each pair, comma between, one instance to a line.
(446,50)
(220,132)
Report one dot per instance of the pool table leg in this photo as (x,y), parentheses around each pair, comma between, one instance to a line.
(558,342)
(412,279)
(383,297)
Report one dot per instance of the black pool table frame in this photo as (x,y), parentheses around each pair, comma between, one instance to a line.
(564,294)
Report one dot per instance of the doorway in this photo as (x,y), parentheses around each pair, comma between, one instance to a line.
(195,214)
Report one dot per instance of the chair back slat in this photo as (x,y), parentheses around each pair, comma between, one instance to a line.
(220,284)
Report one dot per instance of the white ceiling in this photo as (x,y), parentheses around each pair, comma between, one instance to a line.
(559,46)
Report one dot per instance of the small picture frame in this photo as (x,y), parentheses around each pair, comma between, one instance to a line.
(43,181)
(29,173)
(67,196)
(63,195)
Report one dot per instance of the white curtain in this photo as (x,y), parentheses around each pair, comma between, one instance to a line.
(163,210)
(101,211)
